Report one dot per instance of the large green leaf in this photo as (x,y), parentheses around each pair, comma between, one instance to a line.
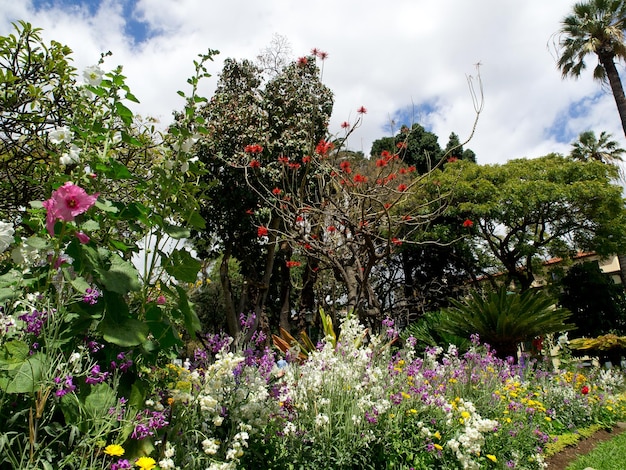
(27,377)
(126,333)
(182,266)
(120,276)
(192,322)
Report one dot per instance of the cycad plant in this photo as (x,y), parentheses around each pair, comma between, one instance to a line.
(504,319)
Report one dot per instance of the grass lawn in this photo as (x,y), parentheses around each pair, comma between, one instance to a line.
(609,455)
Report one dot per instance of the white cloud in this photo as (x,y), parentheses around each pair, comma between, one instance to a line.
(382,55)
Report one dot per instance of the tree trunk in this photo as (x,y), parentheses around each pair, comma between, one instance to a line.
(620,100)
(616,85)
(232,322)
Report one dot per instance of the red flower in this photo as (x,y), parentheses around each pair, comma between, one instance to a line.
(402,187)
(452,159)
(249,212)
(345,124)
(284,160)
(293,264)
(306,159)
(253,149)
(345,166)
(262,231)
(322,55)
(276,191)
(323,147)
(468,223)
(401,145)
(584,390)
(331,228)
(302,61)
(358,178)
(255,164)
(294,166)
(381,162)
(362,110)
(315,51)
(402,171)
(396,241)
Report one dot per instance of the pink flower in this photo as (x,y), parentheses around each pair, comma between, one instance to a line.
(82,237)
(161,300)
(67,202)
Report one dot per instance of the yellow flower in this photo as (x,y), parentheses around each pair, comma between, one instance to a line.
(465,415)
(114,450)
(405,395)
(492,457)
(437,435)
(437,446)
(145,463)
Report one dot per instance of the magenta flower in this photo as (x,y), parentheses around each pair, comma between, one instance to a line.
(82,237)
(66,203)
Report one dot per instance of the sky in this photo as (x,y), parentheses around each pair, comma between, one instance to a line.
(405,61)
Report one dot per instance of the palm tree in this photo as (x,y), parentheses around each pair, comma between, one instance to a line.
(602,149)
(596,27)
(505,319)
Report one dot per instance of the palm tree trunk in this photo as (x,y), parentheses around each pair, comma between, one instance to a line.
(616,86)
(620,100)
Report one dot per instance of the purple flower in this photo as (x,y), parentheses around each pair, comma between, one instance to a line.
(34,321)
(91,296)
(247,322)
(66,385)
(95,376)
(121,465)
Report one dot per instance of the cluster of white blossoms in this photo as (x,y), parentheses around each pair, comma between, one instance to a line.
(467,444)
(6,235)
(167,463)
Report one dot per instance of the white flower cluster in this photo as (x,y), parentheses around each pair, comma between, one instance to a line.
(468,443)
(6,235)
(167,463)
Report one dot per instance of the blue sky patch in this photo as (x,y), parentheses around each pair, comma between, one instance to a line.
(560,129)
(138,30)
(411,114)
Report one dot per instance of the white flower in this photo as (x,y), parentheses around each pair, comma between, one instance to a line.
(6,235)
(73,156)
(93,75)
(166,464)
(217,421)
(210,446)
(60,135)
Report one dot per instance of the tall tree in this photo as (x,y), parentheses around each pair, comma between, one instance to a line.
(525,211)
(595,27)
(602,148)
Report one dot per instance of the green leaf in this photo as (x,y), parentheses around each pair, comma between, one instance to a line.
(182,266)
(106,206)
(12,354)
(196,220)
(192,322)
(126,333)
(27,377)
(38,243)
(120,277)
(176,232)
(90,225)
(119,171)
(125,114)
